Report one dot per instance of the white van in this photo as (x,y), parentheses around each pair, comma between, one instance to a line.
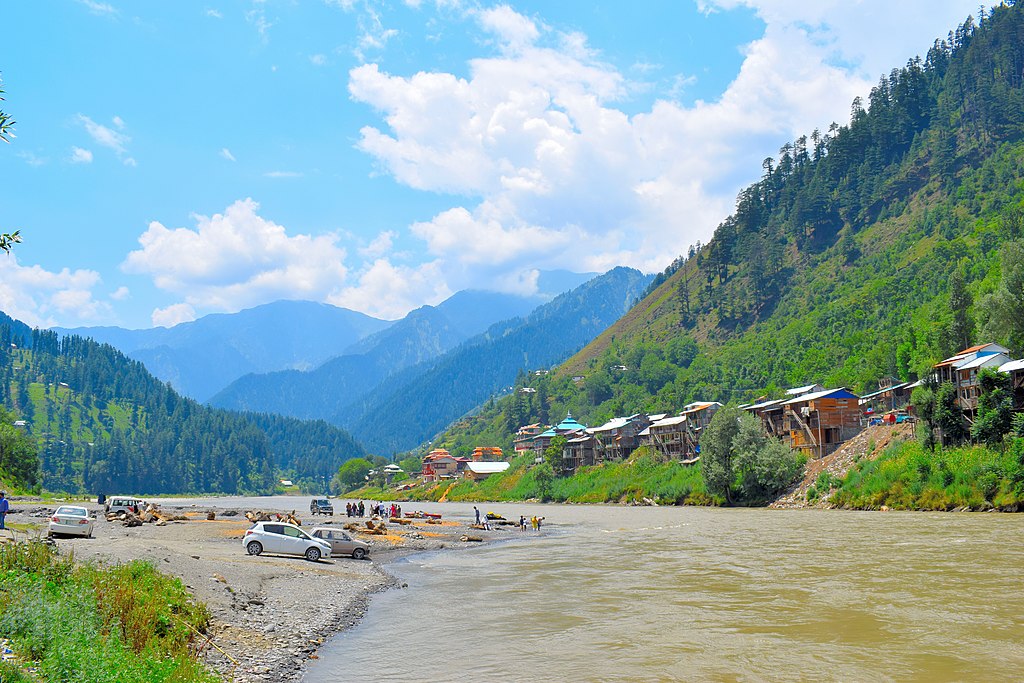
(124,504)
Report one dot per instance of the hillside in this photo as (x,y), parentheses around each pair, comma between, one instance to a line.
(202,357)
(421,337)
(422,400)
(835,267)
(103,424)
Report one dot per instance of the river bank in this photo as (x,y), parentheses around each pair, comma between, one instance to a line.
(270,613)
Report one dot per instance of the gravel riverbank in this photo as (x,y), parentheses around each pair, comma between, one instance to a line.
(270,613)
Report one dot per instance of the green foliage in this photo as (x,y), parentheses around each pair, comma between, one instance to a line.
(995,408)
(948,416)
(85,624)
(19,459)
(740,463)
(553,453)
(909,477)
(1003,309)
(352,473)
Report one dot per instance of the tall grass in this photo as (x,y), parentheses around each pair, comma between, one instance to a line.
(909,477)
(85,624)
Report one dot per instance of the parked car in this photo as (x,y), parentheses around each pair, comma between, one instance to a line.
(124,504)
(71,520)
(321,506)
(342,542)
(284,539)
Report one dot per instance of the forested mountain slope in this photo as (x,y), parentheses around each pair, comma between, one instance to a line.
(106,425)
(869,249)
(412,406)
(421,337)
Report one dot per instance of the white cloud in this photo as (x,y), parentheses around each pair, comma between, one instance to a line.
(43,298)
(237,259)
(173,315)
(100,8)
(33,160)
(130,161)
(380,245)
(108,137)
(120,294)
(389,291)
(214,14)
(226,154)
(282,174)
(318,59)
(80,156)
(549,170)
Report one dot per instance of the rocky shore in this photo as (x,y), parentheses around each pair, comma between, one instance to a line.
(270,613)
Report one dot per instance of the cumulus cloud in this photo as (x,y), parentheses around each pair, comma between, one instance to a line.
(99,8)
(237,259)
(550,171)
(173,315)
(318,59)
(120,294)
(80,156)
(379,246)
(43,298)
(389,291)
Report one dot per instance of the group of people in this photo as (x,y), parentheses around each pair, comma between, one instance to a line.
(378,509)
(535,522)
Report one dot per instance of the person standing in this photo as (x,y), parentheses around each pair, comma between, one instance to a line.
(522,523)
(5,507)
(477,512)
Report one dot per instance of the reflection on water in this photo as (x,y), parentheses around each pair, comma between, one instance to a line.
(665,594)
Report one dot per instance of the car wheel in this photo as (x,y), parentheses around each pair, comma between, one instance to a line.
(254,548)
(359,553)
(313,554)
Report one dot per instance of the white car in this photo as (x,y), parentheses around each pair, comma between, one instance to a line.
(284,539)
(71,520)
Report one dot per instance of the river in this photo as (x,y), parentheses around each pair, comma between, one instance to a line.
(666,594)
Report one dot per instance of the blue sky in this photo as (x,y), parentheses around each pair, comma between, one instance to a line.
(177,159)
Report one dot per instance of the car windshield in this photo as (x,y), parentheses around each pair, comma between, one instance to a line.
(76,512)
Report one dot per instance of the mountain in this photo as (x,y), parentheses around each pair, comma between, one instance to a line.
(421,400)
(104,424)
(202,357)
(839,265)
(423,335)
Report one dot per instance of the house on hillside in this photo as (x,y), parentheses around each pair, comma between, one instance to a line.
(478,471)
(772,415)
(487,453)
(891,395)
(579,451)
(619,437)
(439,464)
(1015,369)
(800,391)
(819,422)
(568,428)
(961,370)
(678,436)
(523,440)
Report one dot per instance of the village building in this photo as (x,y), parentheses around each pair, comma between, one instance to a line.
(487,453)
(968,388)
(677,437)
(772,415)
(523,440)
(568,428)
(819,422)
(1015,369)
(808,389)
(478,471)
(579,451)
(439,464)
(619,437)
(946,370)
(891,395)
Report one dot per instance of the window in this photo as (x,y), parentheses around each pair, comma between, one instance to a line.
(274,528)
(293,532)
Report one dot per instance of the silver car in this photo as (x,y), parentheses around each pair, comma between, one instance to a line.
(284,539)
(71,520)
(341,542)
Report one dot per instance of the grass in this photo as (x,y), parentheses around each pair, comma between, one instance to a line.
(84,624)
(908,477)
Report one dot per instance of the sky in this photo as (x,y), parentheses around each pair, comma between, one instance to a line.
(173,160)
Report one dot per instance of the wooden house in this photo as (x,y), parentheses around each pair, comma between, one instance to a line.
(698,416)
(487,453)
(523,440)
(579,451)
(818,423)
(773,417)
(667,436)
(891,395)
(478,470)
(568,428)
(439,464)
(967,386)
(946,370)
(619,437)
(1015,369)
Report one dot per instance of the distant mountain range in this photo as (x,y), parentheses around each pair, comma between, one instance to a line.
(203,358)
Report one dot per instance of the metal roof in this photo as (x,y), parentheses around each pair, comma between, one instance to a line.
(487,467)
(699,406)
(882,391)
(983,361)
(766,404)
(1012,366)
(820,394)
(796,391)
(670,421)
